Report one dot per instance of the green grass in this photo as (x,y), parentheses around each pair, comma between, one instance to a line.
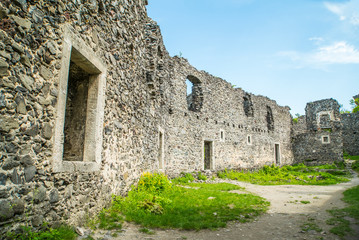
(341,226)
(47,233)
(355,165)
(297,175)
(146,231)
(310,225)
(305,202)
(188,206)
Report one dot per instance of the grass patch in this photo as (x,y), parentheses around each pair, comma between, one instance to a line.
(297,174)
(156,202)
(341,226)
(310,225)
(355,165)
(146,231)
(46,233)
(305,202)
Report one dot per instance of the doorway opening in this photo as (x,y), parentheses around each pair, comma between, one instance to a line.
(208,155)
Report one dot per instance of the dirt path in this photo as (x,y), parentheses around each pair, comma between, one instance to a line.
(283,220)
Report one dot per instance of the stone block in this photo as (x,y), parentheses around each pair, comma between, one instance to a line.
(29,173)
(6,210)
(39,194)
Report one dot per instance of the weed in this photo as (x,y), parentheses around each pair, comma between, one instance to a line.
(305,202)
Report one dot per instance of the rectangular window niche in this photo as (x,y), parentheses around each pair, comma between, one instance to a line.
(80,108)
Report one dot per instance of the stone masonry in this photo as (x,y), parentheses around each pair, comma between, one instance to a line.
(90,99)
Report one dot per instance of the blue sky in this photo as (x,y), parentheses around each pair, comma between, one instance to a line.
(293,51)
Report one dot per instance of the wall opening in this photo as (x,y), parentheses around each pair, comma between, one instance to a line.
(326,139)
(161,150)
(75,114)
(221,136)
(248,105)
(208,155)
(249,140)
(324,121)
(80,108)
(277,154)
(194,95)
(270,120)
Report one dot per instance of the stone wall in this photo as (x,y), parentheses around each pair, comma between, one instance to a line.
(222,121)
(317,139)
(111,43)
(90,99)
(350,133)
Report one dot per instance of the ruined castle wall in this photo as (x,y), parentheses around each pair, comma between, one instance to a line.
(112,43)
(223,122)
(350,132)
(311,149)
(90,99)
(321,141)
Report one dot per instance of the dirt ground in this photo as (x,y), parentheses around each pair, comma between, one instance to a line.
(284,219)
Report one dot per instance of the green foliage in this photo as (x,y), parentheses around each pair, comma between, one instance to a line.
(153,183)
(109,219)
(342,225)
(189,206)
(201,176)
(297,174)
(305,202)
(295,120)
(47,233)
(186,178)
(355,105)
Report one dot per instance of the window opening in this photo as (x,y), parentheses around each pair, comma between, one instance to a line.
(249,140)
(248,105)
(270,120)
(194,94)
(325,139)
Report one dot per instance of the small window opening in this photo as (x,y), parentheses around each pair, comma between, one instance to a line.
(249,140)
(325,139)
(222,136)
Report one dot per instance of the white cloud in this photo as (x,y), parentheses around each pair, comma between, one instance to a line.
(339,52)
(347,11)
(336,53)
